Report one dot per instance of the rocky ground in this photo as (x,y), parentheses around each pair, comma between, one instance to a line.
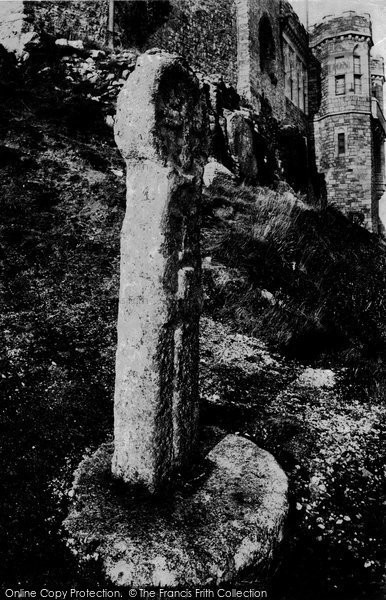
(330,443)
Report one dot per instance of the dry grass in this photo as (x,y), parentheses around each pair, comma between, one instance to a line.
(311,282)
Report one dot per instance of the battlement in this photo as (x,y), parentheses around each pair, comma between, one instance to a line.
(377,66)
(349,23)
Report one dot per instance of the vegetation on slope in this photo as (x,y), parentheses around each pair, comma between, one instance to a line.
(332,449)
(312,285)
(308,281)
(62,203)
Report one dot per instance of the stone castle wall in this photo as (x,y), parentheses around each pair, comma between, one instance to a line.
(134,22)
(204,33)
(348,176)
(295,118)
(260,48)
(71,20)
(241,40)
(262,68)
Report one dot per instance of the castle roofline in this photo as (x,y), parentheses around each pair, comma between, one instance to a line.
(293,28)
(344,13)
(346,24)
(348,33)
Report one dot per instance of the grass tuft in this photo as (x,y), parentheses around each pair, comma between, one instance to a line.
(309,281)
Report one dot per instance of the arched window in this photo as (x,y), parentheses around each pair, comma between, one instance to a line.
(267,46)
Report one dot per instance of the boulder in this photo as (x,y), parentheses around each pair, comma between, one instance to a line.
(242,145)
(215,173)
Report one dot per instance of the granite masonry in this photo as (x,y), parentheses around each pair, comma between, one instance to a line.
(160,130)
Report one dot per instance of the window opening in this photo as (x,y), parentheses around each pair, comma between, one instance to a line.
(267,46)
(340,85)
(341,144)
(357,84)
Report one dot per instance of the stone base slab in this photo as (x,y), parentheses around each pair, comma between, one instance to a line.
(203,536)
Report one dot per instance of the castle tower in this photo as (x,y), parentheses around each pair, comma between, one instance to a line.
(349,126)
(377,71)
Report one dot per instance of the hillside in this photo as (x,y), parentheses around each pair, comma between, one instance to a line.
(292,350)
(308,280)
(296,362)
(62,205)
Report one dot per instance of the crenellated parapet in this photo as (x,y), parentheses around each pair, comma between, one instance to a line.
(351,25)
(377,66)
(341,44)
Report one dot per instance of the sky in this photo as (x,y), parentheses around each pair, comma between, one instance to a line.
(376,8)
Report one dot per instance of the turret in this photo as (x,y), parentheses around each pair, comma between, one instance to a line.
(377,70)
(342,46)
(348,135)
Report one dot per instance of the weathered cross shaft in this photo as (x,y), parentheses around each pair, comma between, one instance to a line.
(160,129)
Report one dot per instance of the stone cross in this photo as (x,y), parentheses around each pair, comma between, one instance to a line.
(160,130)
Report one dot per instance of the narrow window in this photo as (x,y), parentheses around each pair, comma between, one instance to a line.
(267,46)
(292,62)
(339,64)
(341,144)
(287,70)
(357,84)
(357,65)
(299,81)
(340,85)
(286,56)
(301,93)
(305,89)
(292,74)
(288,86)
